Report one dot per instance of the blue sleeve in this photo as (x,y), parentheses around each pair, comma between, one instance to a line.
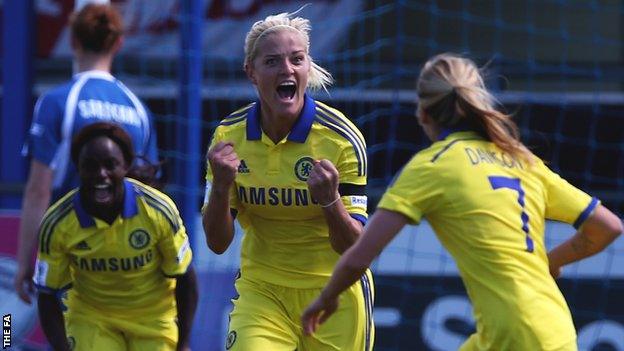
(151,151)
(44,136)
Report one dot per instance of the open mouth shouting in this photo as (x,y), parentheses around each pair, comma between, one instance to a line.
(103,193)
(287,90)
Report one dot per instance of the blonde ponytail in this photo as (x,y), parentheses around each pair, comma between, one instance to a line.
(452,92)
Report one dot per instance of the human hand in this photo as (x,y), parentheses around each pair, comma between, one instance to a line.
(23,283)
(323,182)
(317,313)
(183,347)
(555,271)
(223,163)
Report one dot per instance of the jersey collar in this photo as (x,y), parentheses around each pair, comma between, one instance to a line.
(298,133)
(129,209)
(95,74)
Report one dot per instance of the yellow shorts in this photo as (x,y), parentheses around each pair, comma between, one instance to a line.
(90,332)
(268,317)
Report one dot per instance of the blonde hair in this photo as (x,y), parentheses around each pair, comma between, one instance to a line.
(451,91)
(319,76)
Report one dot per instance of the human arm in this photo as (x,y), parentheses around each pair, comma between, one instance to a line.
(186,300)
(35,201)
(217,220)
(52,321)
(599,230)
(323,185)
(380,230)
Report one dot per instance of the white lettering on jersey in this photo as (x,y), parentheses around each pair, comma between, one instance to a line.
(105,110)
(359,201)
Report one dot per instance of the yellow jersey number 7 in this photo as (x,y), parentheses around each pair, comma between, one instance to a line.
(499,182)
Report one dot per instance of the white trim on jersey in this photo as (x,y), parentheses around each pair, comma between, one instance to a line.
(142,115)
(61,158)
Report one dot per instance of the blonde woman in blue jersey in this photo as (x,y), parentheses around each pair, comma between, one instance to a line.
(293,172)
(92,95)
(122,248)
(487,198)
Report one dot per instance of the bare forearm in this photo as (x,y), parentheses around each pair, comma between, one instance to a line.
(34,205)
(186,300)
(574,249)
(343,229)
(218,222)
(52,322)
(349,270)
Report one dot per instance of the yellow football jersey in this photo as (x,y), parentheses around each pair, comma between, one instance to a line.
(488,209)
(120,268)
(286,238)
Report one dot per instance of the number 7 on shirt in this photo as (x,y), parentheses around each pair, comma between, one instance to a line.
(498,182)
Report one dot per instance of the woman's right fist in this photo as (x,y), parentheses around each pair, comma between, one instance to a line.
(223,163)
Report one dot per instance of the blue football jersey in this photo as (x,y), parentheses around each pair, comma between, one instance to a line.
(91,96)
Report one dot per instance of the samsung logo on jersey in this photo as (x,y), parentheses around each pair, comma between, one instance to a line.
(113,264)
(275,196)
(108,111)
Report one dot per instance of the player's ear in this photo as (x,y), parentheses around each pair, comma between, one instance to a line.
(250,74)
(117,45)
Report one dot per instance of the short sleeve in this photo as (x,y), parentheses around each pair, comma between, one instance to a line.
(216,138)
(173,243)
(413,191)
(151,152)
(44,136)
(52,271)
(564,202)
(352,174)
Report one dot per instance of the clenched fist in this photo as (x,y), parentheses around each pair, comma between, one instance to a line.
(323,182)
(223,163)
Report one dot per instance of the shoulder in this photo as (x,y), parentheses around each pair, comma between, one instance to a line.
(236,118)
(334,119)
(54,217)
(156,204)
(56,95)
(338,127)
(234,122)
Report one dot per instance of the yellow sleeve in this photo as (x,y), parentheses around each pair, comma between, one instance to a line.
(565,202)
(351,166)
(173,242)
(52,271)
(216,137)
(413,191)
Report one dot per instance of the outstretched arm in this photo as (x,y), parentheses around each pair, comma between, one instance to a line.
(598,231)
(52,321)
(216,218)
(380,230)
(35,201)
(186,300)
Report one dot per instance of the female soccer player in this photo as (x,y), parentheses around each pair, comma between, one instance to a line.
(293,171)
(122,248)
(92,95)
(486,197)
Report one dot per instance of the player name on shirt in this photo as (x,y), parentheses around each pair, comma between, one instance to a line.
(478,155)
(113,264)
(106,110)
(274,196)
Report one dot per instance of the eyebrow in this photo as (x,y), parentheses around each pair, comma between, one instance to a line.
(280,55)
